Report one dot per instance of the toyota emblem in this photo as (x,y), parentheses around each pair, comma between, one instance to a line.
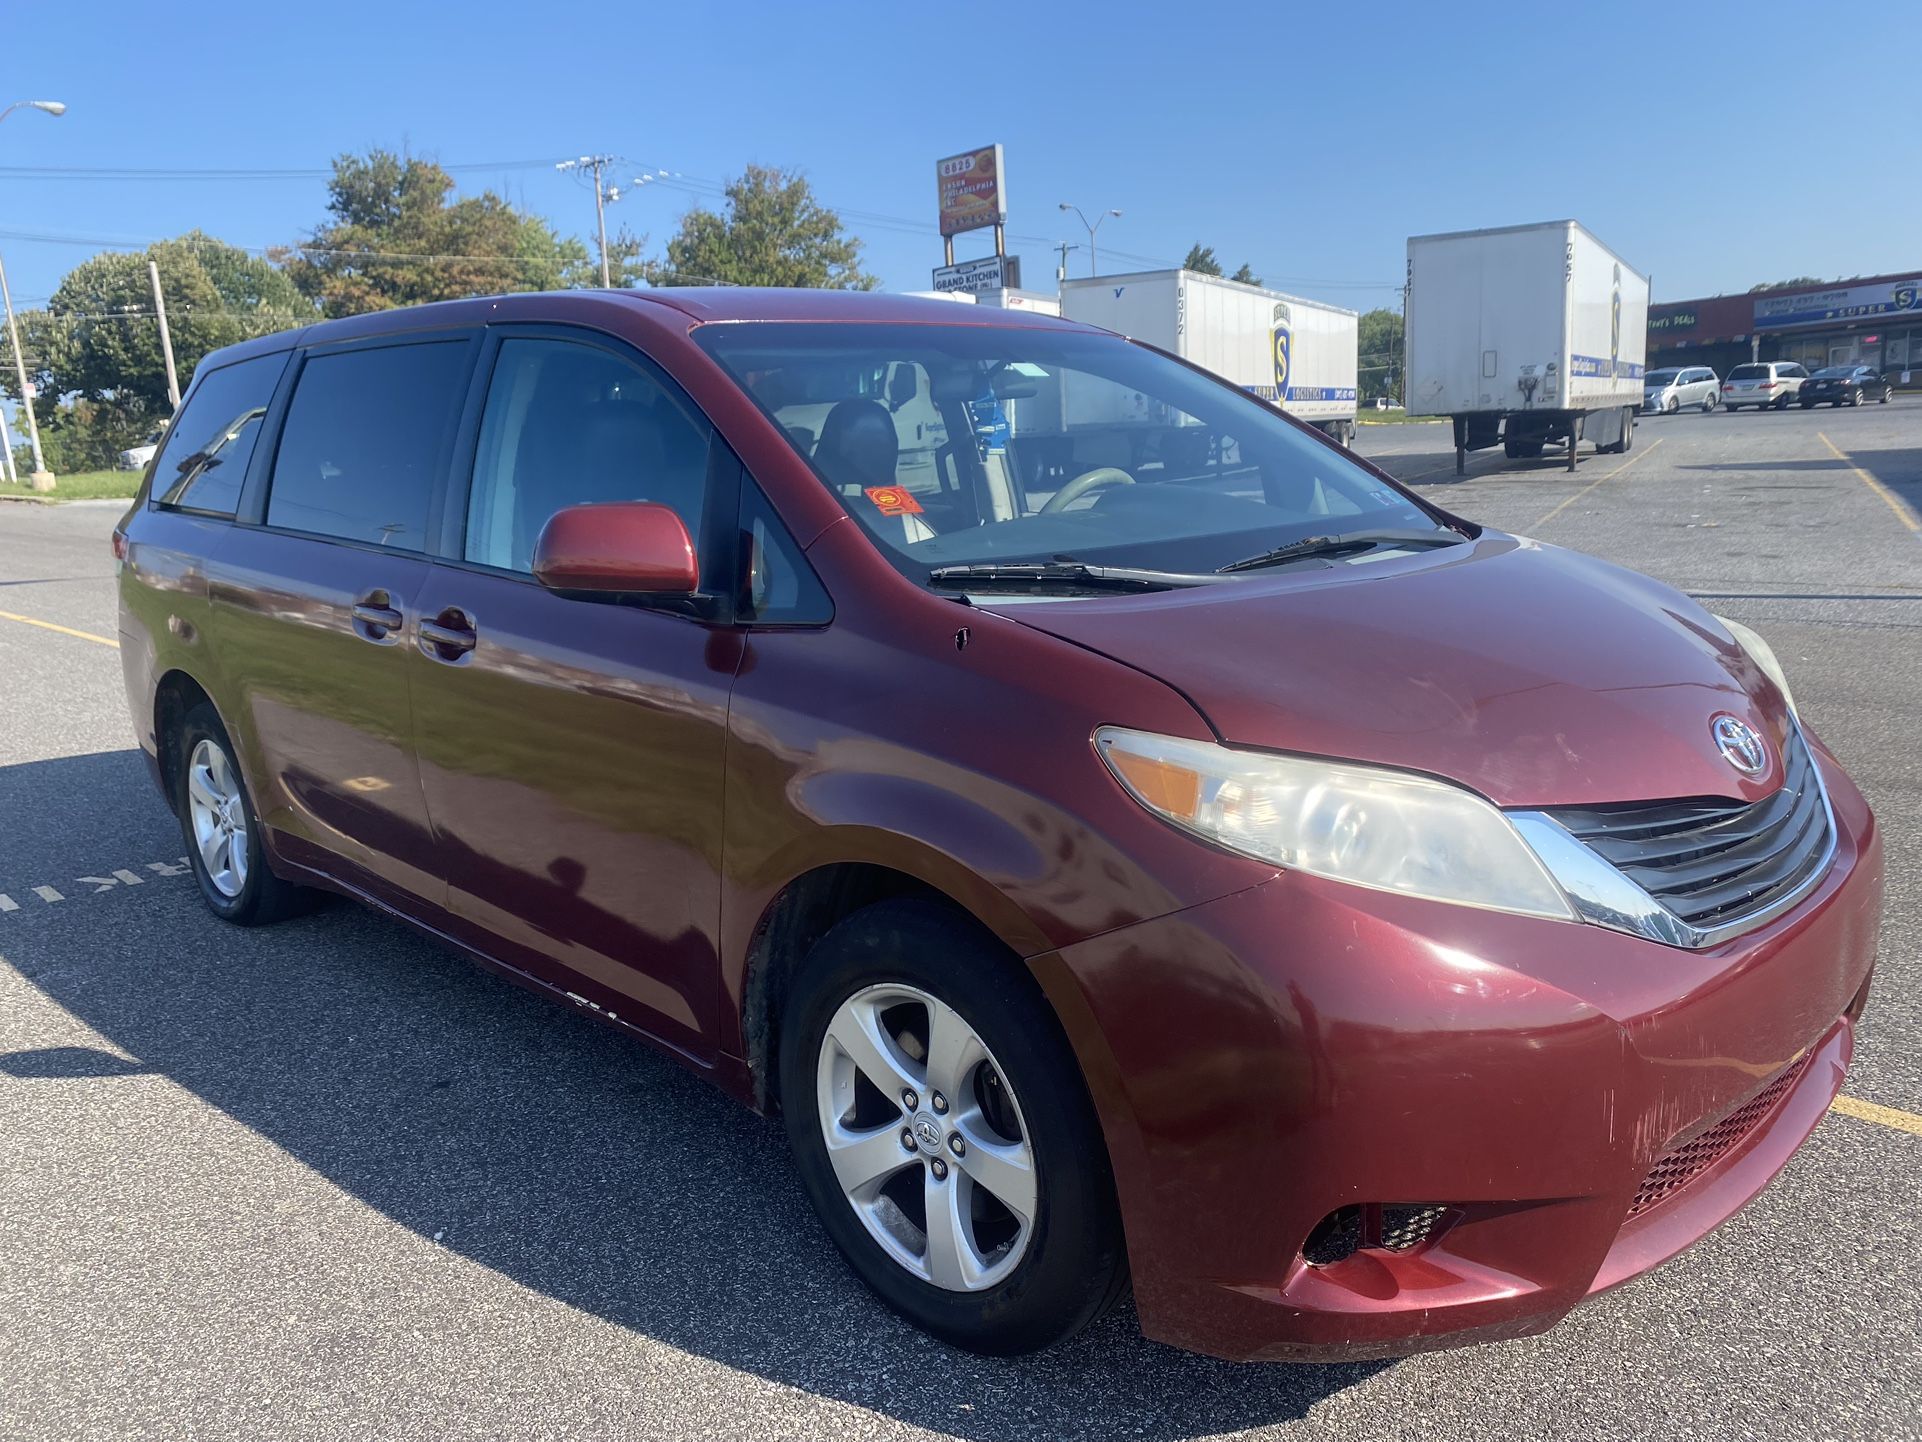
(1741,745)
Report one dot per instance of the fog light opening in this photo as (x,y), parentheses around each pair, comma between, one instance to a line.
(1374,1226)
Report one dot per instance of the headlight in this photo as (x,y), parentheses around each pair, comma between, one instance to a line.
(1763,655)
(1359,824)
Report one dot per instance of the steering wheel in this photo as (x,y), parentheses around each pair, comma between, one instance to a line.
(1082,484)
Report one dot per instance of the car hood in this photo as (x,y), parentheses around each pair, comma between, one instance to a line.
(1534,675)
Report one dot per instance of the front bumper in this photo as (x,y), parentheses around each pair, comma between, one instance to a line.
(1267,1059)
(1808,396)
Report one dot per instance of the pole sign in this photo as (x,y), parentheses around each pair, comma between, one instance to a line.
(971,190)
(991,272)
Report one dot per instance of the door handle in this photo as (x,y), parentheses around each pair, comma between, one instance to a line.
(374,618)
(449,636)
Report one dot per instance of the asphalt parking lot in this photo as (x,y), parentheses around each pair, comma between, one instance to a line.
(326,1181)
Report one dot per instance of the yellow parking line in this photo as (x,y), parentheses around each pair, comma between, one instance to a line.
(63,630)
(1902,512)
(1592,484)
(1881,1115)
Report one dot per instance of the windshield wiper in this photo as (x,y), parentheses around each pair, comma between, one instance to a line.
(1320,546)
(1072,573)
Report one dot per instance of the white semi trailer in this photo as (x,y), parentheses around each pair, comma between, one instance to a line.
(1526,337)
(1299,354)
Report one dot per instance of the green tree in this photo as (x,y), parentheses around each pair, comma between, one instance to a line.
(1246,275)
(774,232)
(396,236)
(1379,341)
(94,354)
(1201,260)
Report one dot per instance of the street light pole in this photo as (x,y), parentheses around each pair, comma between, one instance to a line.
(1091,229)
(42,478)
(166,336)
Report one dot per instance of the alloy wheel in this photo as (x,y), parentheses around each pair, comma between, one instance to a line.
(926,1138)
(219,817)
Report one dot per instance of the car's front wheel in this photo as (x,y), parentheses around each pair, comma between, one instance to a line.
(944,1132)
(222,830)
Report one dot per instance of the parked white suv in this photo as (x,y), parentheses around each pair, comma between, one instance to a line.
(1673,387)
(1762,384)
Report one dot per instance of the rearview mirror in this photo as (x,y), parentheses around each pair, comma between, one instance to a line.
(904,384)
(617,548)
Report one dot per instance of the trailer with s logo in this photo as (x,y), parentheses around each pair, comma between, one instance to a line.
(1297,354)
(1526,337)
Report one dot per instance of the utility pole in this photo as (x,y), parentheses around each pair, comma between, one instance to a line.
(166,337)
(1061,270)
(41,479)
(592,167)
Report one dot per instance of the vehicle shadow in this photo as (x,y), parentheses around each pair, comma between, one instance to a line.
(526,1138)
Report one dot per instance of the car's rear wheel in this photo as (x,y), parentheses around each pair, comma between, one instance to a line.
(222,829)
(1856,397)
(944,1133)
(1887,391)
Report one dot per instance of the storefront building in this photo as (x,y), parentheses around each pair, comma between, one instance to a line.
(1875,321)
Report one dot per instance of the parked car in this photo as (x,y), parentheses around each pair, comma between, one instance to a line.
(1845,386)
(1164,850)
(135,458)
(1763,384)
(1669,389)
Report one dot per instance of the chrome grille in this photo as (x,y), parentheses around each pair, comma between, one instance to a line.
(1711,862)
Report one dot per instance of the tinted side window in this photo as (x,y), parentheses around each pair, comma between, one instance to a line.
(360,450)
(204,458)
(567,424)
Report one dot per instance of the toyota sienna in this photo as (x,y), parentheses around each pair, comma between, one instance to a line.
(1127,839)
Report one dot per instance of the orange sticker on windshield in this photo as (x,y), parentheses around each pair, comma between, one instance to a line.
(894,500)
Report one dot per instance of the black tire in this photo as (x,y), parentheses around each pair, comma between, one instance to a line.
(1887,392)
(1782,404)
(1074,1267)
(263,898)
(1731,408)
(1806,405)
(1858,397)
(1708,405)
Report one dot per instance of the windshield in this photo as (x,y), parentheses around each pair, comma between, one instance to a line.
(1832,372)
(1660,378)
(964,444)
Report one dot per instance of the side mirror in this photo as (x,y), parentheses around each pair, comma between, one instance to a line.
(617,548)
(904,384)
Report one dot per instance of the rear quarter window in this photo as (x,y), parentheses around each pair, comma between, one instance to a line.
(204,459)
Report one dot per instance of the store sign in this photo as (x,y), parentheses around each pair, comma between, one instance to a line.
(1842,302)
(991,272)
(1675,320)
(971,190)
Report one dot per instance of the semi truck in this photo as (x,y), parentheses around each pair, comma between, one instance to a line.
(1298,354)
(1526,337)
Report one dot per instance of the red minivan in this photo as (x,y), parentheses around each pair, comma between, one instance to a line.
(1128,839)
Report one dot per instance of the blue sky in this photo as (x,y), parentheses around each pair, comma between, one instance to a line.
(1308,141)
